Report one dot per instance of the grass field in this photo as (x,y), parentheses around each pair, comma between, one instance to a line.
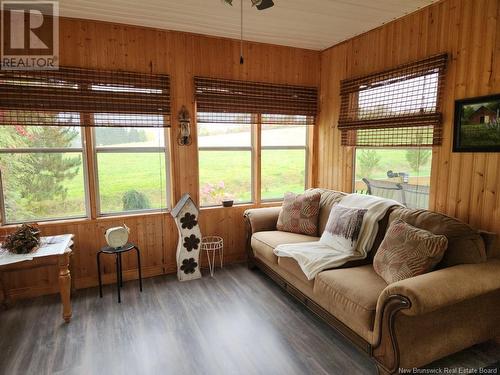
(118,173)
(223,174)
(476,135)
(227,174)
(392,160)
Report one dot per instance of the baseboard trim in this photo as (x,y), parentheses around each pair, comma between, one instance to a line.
(110,278)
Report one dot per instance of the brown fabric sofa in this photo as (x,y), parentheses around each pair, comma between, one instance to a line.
(406,324)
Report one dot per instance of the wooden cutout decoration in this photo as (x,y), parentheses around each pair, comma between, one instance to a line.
(186,215)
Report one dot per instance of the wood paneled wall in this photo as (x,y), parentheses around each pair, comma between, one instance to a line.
(463,185)
(183,56)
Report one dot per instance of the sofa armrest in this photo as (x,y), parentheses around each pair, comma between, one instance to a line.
(262,219)
(424,294)
(445,287)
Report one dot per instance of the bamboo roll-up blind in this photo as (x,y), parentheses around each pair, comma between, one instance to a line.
(116,98)
(396,107)
(227,101)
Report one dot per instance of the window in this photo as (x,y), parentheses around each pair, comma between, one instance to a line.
(283,159)
(130,167)
(45,116)
(225,161)
(42,169)
(399,174)
(393,118)
(252,139)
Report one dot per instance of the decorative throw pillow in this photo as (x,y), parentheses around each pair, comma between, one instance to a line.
(343,227)
(299,213)
(407,251)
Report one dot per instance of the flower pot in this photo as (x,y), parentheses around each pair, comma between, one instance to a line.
(227,203)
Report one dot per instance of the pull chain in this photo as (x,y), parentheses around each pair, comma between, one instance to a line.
(241,39)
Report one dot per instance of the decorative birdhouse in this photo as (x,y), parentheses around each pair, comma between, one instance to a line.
(186,214)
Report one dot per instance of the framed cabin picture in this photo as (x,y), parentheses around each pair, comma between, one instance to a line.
(477,124)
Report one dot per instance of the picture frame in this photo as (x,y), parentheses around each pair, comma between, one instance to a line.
(477,124)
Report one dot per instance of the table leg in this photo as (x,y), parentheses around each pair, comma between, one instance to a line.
(121,269)
(4,293)
(211,262)
(71,271)
(99,273)
(65,286)
(139,265)
(118,271)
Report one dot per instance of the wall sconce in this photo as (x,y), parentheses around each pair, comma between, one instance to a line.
(184,138)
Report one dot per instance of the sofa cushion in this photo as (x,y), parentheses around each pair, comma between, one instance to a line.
(299,213)
(291,266)
(491,243)
(407,252)
(329,198)
(263,243)
(351,294)
(465,245)
(343,228)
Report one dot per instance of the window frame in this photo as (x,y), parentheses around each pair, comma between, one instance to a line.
(306,149)
(131,150)
(256,149)
(250,148)
(50,150)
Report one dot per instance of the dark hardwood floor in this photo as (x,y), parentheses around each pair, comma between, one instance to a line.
(239,322)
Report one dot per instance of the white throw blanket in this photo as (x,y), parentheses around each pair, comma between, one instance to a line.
(314,257)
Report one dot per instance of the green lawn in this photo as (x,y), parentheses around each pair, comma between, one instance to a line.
(119,173)
(228,172)
(474,135)
(223,174)
(394,160)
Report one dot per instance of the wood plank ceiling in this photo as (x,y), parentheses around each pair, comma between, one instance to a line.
(311,24)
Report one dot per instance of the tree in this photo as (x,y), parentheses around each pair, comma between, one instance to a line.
(30,179)
(114,136)
(134,200)
(416,158)
(368,161)
(468,111)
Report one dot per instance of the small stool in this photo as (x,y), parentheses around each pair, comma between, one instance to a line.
(117,252)
(213,244)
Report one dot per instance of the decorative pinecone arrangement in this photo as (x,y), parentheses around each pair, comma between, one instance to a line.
(24,240)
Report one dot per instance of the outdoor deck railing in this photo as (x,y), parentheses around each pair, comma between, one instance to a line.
(414,194)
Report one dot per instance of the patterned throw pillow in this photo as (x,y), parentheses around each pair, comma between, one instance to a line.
(299,213)
(407,251)
(343,228)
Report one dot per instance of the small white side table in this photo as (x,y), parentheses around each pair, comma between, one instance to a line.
(212,245)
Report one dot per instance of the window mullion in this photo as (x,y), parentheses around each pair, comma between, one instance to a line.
(309,149)
(132,150)
(90,166)
(3,219)
(256,159)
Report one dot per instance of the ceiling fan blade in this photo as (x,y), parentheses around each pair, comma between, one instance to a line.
(265,4)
